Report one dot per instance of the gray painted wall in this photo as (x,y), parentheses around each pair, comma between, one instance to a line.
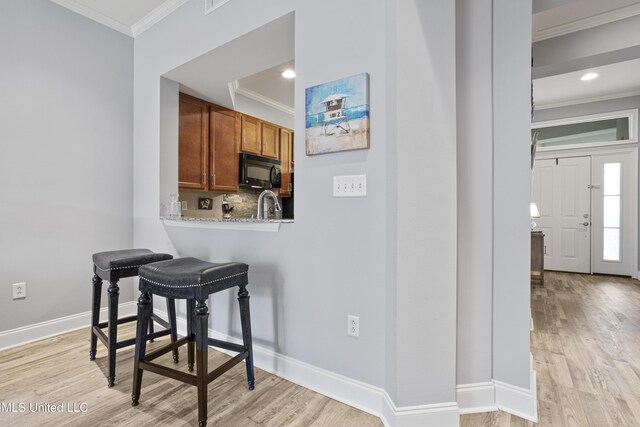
(305,279)
(426,220)
(475,190)
(511,191)
(66,122)
(604,44)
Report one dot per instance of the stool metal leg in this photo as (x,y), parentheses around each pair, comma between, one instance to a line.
(114,292)
(144,317)
(151,321)
(171,312)
(245,320)
(95,314)
(190,333)
(202,347)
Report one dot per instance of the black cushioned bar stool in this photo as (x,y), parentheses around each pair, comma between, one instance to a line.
(193,280)
(113,266)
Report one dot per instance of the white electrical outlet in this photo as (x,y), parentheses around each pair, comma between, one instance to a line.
(19,290)
(183,205)
(350,186)
(353,326)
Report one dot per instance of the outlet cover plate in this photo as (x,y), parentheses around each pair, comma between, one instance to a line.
(19,290)
(353,326)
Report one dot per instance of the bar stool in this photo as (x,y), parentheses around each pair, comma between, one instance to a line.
(113,266)
(194,280)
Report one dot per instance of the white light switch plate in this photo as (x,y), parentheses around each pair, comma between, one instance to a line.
(350,186)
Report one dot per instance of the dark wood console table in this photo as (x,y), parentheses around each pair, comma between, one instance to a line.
(537,257)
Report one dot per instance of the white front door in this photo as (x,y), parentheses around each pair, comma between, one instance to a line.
(613,211)
(561,191)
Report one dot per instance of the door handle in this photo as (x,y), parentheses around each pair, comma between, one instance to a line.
(586,223)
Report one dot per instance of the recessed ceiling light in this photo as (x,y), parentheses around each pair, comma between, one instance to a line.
(288,74)
(589,76)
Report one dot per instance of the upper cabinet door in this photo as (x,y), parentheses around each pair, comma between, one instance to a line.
(270,141)
(193,143)
(286,140)
(225,135)
(250,135)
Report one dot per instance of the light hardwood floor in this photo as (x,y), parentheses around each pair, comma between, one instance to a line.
(58,370)
(586,352)
(586,349)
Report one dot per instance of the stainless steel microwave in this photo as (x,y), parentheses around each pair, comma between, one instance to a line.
(259,172)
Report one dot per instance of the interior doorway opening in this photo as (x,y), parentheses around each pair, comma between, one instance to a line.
(588,210)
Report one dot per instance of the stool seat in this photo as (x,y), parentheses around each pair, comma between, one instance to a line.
(126,259)
(113,266)
(191,277)
(194,280)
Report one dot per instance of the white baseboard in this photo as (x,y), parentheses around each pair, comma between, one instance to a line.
(476,397)
(438,415)
(496,395)
(518,401)
(365,397)
(471,398)
(31,333)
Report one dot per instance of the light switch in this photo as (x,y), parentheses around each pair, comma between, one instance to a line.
(350,186)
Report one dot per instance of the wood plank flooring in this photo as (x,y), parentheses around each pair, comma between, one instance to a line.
(586,349)
(57,370)
(586,352)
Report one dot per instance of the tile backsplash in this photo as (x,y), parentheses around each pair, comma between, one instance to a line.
(244,203)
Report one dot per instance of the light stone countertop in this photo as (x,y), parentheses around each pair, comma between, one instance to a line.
(231,220)
(231,224)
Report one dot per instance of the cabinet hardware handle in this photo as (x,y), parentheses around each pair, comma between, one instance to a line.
(290,186)
(586,223)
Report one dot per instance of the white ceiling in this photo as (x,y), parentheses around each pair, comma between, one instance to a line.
(255,56)
(614,81)
(130,17)
(269,85)
(554,18)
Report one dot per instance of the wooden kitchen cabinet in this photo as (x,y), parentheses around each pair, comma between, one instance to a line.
(193,143)
(259,138)
(251,134)
(224,135)
(286,147)
(270,140)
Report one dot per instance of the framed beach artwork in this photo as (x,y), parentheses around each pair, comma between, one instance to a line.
(337,115)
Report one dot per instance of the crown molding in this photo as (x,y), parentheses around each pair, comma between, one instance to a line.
(155,16)
(589,22)
(567,103)
(210,7)
(94,15)
(149,20)
(261,98)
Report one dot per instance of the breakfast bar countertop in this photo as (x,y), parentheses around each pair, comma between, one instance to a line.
(251,224)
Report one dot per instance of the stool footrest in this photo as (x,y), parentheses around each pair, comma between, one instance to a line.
(226,345)
(101,335)
(169,372)
(160,321)
(126,319)
(226,366)
(124,343)
(164,350)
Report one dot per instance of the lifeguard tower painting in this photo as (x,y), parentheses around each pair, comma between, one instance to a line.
(337,115)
